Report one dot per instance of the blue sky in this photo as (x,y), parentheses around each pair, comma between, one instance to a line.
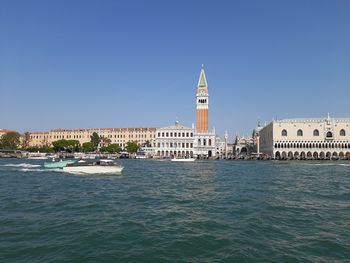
(72,64)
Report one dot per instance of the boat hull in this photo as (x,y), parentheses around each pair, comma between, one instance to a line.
(93,169)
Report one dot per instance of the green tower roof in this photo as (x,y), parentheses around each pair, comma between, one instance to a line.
(202,82)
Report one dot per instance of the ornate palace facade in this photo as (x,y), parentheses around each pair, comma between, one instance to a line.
(320,138)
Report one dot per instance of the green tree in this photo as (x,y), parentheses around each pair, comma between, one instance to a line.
(66,145)
(132,147)
(95,140)
(10,141)
(87,147)
(105,141)
(112,148)
(147,144)
(59,145)
(25,140)
(73,146)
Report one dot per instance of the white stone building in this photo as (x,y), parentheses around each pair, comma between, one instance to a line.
(175,140)
(320,138)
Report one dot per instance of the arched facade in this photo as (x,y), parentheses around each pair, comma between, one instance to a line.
(318,138)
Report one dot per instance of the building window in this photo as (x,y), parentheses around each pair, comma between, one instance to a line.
(284,133)
(191,134)
(329,134)
(342,132)
(167,134)
(299,133)
(316,133)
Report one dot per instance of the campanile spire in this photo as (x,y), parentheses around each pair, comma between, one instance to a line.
(202,103)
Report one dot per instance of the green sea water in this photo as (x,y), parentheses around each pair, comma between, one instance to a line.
(162,211)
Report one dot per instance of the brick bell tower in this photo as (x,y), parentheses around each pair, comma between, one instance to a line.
(202,103)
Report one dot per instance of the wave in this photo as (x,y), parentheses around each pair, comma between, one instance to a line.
(25,165)
(327,164)
(41,170)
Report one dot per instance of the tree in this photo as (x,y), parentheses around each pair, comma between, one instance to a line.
(73,145)
(147,144)
(112,148)
(105,141)
(66,145)
(87,147)
(132,147)
(95,140)
(10,141)
(25,140)
(42,149)
(59,145)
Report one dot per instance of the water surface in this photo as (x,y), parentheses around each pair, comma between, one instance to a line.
(162,211)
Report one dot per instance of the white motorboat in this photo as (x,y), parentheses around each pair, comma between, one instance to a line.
(37,156)
(102,166)
(183,160)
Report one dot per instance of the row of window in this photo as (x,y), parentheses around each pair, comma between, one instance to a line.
(82,137)
(175,145)
(315,133)
(204,142)
(175,134)
(309,155)
(312,145)
(202,101)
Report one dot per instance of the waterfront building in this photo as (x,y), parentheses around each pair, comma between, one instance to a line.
(247,145)
(204,143)
(120,136)
(4,131)
(318,138)
(39,139)
(175,140)
(244,146)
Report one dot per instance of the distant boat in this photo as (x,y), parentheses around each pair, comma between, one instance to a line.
(183,159)
(37,156)
(103,166)
(124,155)
(140,155)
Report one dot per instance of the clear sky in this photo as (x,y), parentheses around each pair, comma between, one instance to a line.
(74,64)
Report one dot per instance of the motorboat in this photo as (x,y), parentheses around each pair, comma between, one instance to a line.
(183,159)
(58,164)
(103,166)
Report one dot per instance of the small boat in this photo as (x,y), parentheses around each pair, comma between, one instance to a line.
(140,155)
(183,160)
(103,166)
(37,156)
(58,164)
